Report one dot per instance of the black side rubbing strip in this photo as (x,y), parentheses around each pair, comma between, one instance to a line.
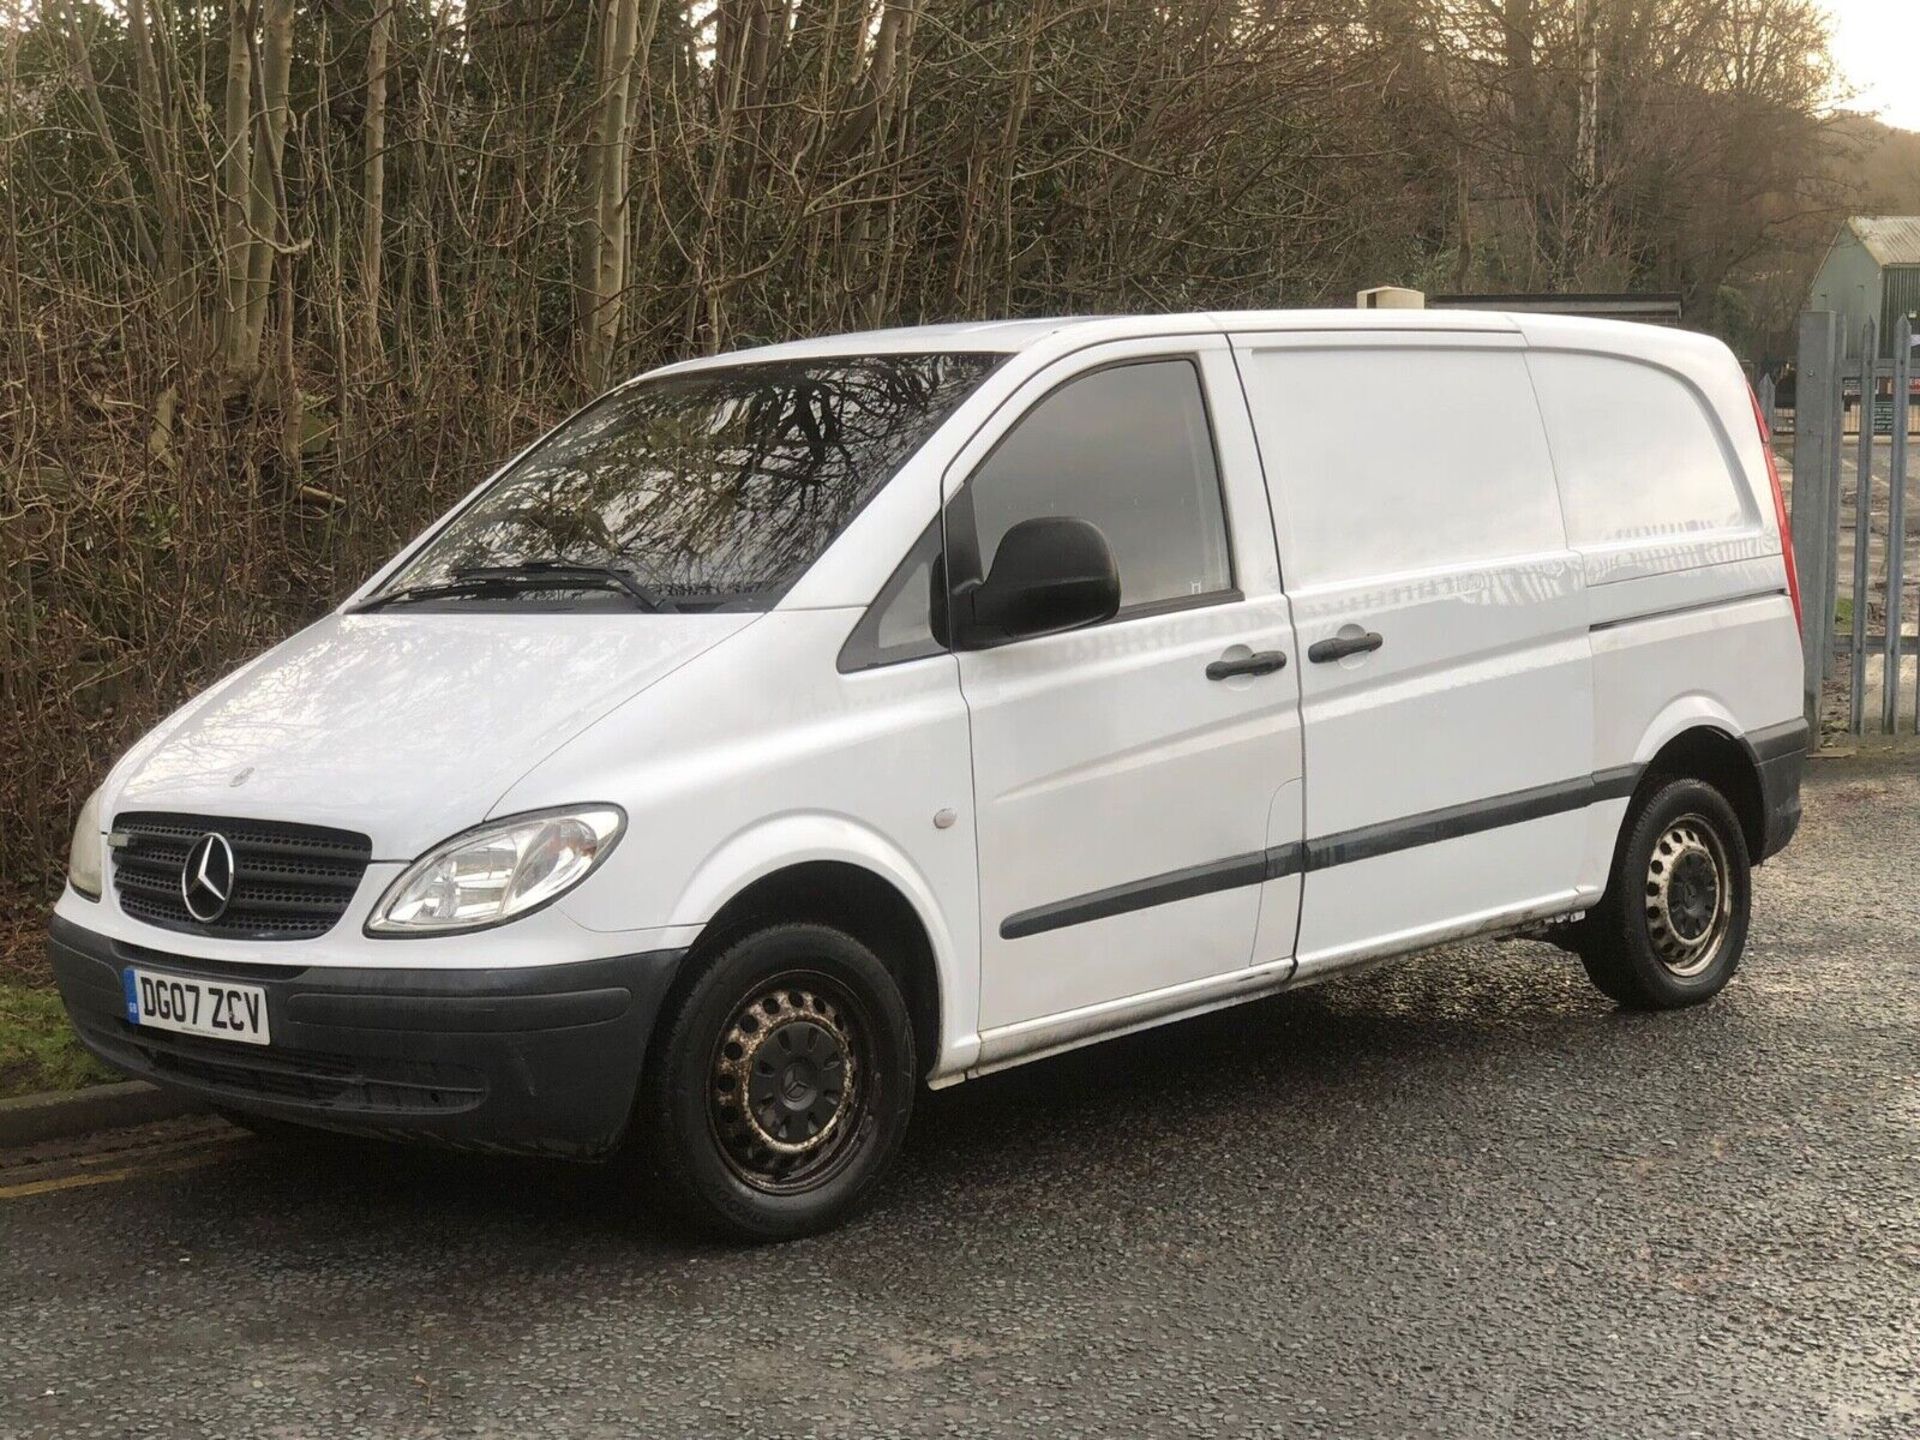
(1285,860)
(1138,895)
(1691,607)
(1616,783)
(1450,823)
(1341,848)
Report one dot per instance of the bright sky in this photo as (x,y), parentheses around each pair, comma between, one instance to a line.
(1877,46)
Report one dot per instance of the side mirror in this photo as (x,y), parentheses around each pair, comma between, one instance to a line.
(1051,573)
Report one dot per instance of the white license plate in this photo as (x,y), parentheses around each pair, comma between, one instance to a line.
(196,1007)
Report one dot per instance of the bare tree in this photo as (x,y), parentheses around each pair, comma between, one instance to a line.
(263,181)
(373,171)
(280,280)
(607,160)
(236,251)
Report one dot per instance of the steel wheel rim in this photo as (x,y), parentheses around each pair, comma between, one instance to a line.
(789,1089)
(1689,899)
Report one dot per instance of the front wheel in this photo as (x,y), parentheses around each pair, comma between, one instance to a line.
(1673,922)
(780,1084)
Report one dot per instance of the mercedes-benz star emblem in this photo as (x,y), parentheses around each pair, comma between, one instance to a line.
(206,881)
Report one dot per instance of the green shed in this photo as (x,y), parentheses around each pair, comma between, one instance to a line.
(1872,269)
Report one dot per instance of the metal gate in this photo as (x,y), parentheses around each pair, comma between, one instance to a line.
(1848,562)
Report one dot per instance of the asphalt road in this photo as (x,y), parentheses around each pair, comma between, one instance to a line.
(1463,1196)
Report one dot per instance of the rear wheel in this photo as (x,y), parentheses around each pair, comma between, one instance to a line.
(1671,927)
(780,1084)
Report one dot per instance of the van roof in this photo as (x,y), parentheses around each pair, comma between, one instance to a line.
(1011,336)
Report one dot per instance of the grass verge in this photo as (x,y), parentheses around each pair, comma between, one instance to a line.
(38,1049)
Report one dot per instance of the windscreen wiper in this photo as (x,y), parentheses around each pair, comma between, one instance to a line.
(529,575)
(558,575)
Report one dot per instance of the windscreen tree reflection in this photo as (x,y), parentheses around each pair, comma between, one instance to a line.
(716,487)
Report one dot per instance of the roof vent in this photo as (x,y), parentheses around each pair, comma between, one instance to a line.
(1390,297)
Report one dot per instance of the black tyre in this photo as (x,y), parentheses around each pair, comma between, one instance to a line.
(1670,929)
(779,1084)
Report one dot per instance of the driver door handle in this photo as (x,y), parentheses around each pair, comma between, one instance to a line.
(1261,662)
(1341,646)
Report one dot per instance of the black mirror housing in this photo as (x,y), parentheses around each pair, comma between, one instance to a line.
(1050,574)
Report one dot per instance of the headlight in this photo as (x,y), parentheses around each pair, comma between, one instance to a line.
(85,857)
(498,872)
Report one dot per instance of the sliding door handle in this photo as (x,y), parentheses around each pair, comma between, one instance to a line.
(1341,646)
(1261,662)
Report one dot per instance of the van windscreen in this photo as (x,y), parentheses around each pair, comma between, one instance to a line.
(713,488)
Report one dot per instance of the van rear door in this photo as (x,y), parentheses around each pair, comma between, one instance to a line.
(1446,698)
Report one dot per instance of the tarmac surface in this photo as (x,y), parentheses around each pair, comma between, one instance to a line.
(1459,1196)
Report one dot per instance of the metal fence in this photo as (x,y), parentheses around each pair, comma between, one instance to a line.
(1822,446)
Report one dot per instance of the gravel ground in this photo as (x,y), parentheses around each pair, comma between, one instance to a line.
(1461,1196)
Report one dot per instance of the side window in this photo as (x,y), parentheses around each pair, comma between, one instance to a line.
(1393,460)
(1128,448)
(1636,453)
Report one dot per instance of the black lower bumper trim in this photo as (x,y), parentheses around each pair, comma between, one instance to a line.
(1780,758)
(541,1060)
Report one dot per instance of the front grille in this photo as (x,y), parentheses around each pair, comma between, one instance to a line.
(291,882)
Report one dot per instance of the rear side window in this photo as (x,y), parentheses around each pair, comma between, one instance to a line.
(1394,460)
(1130,449)
(1637,455)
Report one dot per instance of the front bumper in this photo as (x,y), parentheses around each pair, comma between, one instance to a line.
(535,1060)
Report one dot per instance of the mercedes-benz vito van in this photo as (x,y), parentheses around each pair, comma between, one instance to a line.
(790,729)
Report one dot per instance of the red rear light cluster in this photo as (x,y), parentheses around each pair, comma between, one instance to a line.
(1779,505)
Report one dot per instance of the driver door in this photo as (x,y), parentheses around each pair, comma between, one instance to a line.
(1130,803)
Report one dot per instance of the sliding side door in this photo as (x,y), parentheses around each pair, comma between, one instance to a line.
(1446,683)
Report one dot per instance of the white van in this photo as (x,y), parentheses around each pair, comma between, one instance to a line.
(791,728)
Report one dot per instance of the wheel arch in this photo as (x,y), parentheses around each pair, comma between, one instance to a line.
(1708,745)
(839,874)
